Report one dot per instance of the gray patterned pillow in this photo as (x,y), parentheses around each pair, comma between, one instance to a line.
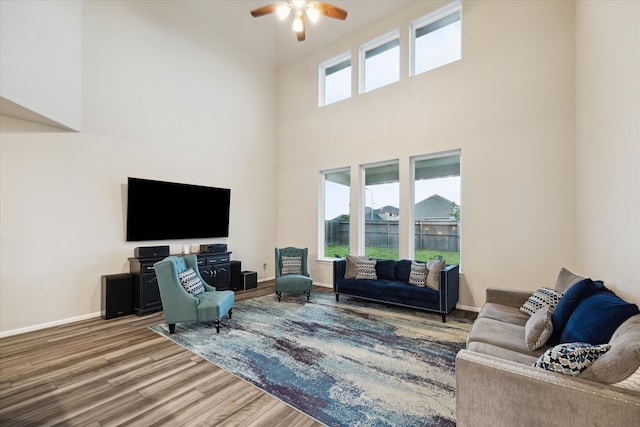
(191,282)
(538,328)
(541,298)
(352,263)
(571,358)
(366,270)
(434,266)
(418,275)
(291,265)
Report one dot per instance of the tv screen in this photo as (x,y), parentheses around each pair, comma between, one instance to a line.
(158,210)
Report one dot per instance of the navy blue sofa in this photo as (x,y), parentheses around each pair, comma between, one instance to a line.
(392,286)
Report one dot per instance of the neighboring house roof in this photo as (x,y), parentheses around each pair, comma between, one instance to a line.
(434,208)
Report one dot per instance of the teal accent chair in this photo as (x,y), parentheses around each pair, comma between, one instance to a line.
(293,283)
(181,306)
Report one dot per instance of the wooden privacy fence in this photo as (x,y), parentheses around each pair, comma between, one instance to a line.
(435,235)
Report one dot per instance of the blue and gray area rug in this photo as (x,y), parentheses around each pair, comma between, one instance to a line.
(347,363)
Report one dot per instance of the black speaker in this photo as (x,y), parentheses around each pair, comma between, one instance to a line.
(249,279)
(235,280)
(213,248)
(151,251)
(117,295)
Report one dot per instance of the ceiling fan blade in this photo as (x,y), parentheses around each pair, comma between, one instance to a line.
(301,34)
(331,11)
(265,10)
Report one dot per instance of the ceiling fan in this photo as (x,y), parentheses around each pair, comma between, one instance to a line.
(300,8)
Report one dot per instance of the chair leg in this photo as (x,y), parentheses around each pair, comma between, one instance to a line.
(230,310)
(172,328)
(279,295)
(217,326)
(308,295)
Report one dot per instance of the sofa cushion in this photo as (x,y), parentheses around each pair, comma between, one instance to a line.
(566,279)
(623,358)
(501,334)
(370,288)
(571,358)
(403,270)
(366,269)
(351,268)
(568,303)
(503,313)
(492,350)
(191,282)
(632,382)
(386,269)
(541,298)
(538,328)
(433,276)
(597,317)
(418,274)
(410,292)
(291,265)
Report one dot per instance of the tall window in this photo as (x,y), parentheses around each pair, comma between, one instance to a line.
(436,38)
(335,79)
(437,207)
(336,186)
(381,210)
(380,62)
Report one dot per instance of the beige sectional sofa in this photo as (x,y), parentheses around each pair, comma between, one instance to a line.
(497,384)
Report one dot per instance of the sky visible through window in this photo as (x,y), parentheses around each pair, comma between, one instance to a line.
(337,195)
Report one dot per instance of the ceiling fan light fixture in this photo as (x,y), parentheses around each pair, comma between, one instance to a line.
(297,24)
(312,12)
(283,11)
(298,4)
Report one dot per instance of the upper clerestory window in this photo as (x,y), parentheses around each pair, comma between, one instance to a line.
(335,79)
(380,62)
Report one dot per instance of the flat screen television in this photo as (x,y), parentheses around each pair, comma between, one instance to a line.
(159,210)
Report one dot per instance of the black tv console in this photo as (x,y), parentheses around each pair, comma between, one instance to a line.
(214,269)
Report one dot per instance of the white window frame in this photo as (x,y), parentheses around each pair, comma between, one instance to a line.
(322,70)
(434,16)
(371,45)
(322,204)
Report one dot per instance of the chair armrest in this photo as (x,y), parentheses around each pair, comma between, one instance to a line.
(496,392)
(509,297)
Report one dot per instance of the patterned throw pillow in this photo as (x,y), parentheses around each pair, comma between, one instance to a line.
(366,270)
(418,275)
(571,358)
(291,265)
(538,328)
(191,282)
(541,298)
(434,266)
(352,265)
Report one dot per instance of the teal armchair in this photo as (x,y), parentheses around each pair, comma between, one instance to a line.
(292,272)
(181,306)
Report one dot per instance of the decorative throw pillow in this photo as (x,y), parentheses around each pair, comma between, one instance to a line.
(291,265)
(541,298)
(386,269)
(568,303)
(352,261)
(566,279)
(434,267)
(571,358)
(597,317)
(366,270)
(191,282)
(538,328)
(418,275)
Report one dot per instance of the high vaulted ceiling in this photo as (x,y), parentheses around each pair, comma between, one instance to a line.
(272,39)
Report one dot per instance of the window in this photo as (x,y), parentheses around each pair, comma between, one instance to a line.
(335,79)
(436,209)
(335,186)
(380,62)
(381,210)
(436,39)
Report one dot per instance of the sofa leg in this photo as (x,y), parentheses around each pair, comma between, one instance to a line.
(230,310)
(337,297)
(217,326)
(172,328)
(444,318)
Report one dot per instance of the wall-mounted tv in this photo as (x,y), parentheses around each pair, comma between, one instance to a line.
(159,210)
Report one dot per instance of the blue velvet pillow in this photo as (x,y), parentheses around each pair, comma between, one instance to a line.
(386,269)
(597,317)
(403,270)
(568,304)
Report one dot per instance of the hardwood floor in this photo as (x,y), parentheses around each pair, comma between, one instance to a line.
(118,372)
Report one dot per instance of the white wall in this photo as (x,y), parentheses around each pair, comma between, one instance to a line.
(608,143)
(40,60)
(162,99)
(508,105)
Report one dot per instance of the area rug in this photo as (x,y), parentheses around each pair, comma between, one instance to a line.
(347,363)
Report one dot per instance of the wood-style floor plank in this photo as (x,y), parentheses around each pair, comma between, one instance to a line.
(118,372)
